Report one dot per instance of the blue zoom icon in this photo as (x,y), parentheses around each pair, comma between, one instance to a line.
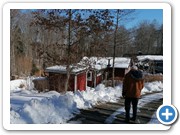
(167,114)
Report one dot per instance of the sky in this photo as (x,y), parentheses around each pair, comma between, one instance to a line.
(146,14)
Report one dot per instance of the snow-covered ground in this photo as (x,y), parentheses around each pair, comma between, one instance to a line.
(30,107)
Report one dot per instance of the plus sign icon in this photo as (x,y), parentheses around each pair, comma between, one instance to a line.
(167,114)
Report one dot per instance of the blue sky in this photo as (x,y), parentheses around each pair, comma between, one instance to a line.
(146,14)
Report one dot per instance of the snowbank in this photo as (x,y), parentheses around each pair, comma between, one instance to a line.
(30,107)
(15,84)
(20,84)
(152,87)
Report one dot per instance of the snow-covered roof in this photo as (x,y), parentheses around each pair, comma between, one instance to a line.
(121,62)
(102,62)
(97,63)
(149,57)
(62,69)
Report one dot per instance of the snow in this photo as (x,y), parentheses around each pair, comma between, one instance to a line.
(20,84)
(30,107)
(149,57)
(16,83)
(102,62)
(152,87)
(62,69)
(121,62)
(97,63)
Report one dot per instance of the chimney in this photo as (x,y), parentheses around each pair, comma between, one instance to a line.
(108,66)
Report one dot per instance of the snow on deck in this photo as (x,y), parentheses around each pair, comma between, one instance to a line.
(149,57)
(121,62)
(63,69)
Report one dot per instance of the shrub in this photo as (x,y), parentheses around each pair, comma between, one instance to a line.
(153,77)
(34,69)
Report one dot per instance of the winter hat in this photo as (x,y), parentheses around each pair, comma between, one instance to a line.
(134,67)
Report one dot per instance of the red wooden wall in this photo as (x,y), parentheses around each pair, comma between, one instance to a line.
(98,79)
(81,81)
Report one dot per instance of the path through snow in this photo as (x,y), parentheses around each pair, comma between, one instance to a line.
(145,100)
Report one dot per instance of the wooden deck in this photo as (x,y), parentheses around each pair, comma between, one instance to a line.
(114,113)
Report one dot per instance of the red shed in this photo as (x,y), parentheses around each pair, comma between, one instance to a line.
(121,66)
(97,67)
(95,77)
(57,78)
(100,68)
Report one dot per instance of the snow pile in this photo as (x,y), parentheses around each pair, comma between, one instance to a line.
(152,87)
(30,107)
(90,97)
(50,110)
(15,84)
(20,84)
(53,109)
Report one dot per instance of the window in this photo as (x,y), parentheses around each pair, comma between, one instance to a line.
(89,76)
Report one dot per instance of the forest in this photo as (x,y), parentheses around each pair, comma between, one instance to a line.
(43,38)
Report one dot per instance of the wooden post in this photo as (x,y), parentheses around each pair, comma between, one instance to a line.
(86,79)
(106,74)
(95,79)
(75,83)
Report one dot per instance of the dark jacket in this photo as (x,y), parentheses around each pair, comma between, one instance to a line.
(133,83)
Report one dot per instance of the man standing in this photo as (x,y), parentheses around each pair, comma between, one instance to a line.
(133,83)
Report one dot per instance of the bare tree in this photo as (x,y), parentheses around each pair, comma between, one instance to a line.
(124,41)
(120,15)
(78,28)
(13,26)
(146,37)
(21,38)
(67,20)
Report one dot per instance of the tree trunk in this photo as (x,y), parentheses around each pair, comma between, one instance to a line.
(67,79)
(114,49)
(68,70)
